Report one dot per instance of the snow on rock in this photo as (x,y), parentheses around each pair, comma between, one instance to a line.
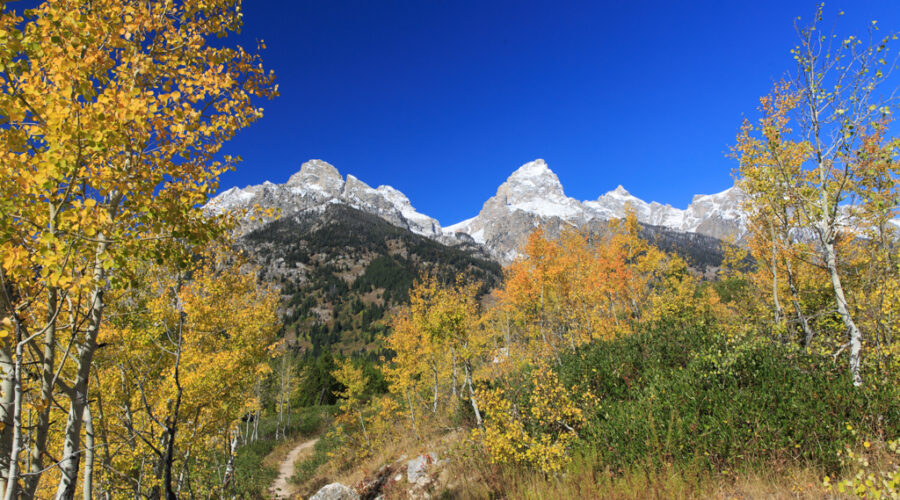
(319,183)
(532,196)
(317,175)
(230,199)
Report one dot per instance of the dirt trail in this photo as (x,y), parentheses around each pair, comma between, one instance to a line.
(281,488)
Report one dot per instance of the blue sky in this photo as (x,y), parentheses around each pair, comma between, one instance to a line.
(444,99)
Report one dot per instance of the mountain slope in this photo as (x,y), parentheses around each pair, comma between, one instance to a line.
(341,269)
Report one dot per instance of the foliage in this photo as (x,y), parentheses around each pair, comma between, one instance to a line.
(179,363)
(113,115)
(821,173)
(869,481)
(690,395)
(537,427)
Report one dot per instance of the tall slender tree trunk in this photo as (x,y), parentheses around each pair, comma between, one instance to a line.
(106,460)
(7,408)
(12,485)
(88,480)
(365,431)
(844,312)
(78,398)
(468,370)
(453,362)
(42,427)
(172,419)
(434,371)
(412,414)
(231,446)
(826,230)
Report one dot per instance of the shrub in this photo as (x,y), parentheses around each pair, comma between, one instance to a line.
(689,395)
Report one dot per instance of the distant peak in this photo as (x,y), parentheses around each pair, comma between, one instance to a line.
(536,168)
(319,167)
(618,192)
(319,175)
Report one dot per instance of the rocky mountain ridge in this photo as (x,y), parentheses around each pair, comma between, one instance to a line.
(531,197)
(317,184)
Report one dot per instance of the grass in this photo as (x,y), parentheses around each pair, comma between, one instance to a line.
(583,479)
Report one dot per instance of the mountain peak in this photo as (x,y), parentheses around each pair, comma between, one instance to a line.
(618,192)
(320,176)
(536,168)
(533,179)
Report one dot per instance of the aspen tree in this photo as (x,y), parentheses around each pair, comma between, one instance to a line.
(111,114)
(835,98)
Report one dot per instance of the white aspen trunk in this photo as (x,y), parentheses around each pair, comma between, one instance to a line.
(12,478)
(412,414)
(826,230)
(844,312)
(7,408)
(183,472)
(39,444)
(365,432)
(453,362)
(434,371)
(472,393)
(229,466)
(88,480)
(106,461)
(68,466)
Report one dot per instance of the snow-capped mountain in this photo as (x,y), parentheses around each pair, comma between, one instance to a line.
(317,184)
(533,196)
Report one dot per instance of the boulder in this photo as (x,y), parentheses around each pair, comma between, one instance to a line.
(335,491)
(417,468)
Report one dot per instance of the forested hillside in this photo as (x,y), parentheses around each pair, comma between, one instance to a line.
(342,270)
